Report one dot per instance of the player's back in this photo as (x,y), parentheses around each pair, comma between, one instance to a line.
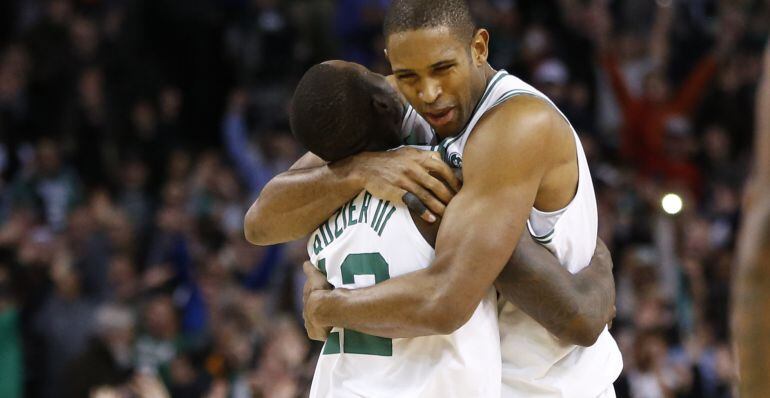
(368,241)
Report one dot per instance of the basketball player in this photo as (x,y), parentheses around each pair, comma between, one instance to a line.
(369,236)
(752,288)
(523,166)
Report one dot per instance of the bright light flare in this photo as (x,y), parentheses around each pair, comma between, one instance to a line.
(672,204)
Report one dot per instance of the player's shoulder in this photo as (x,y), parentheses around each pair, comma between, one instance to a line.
(526,122)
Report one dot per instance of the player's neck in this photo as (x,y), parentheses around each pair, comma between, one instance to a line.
(489,73)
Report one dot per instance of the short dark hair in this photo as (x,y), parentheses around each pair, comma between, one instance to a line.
(405,15)
(332,112)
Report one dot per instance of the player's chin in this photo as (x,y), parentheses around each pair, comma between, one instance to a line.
(448,130)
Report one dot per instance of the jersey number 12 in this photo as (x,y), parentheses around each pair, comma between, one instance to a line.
(356,342)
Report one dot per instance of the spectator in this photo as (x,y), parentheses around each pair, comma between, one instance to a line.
(65,323)
(107,360)
(51,188)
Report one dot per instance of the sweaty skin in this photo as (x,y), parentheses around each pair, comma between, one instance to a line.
(574,308)
(752,287)
(295,202)
(521,154)
(476,238)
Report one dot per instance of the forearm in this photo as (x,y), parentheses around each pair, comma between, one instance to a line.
(752,303)
(390,309)
(249,164)
(295,202)
(574,308)
(692,90)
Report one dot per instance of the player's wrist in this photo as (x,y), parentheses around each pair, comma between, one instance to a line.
(350,172)
(323,305)
(313,308)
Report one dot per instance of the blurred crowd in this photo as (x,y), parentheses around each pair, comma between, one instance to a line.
(135,134)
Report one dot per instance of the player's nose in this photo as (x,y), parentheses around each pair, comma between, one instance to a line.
(430,91)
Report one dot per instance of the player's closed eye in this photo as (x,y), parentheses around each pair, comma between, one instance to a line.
(407,77)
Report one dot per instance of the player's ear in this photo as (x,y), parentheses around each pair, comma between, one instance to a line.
(385,51)
(382,103)
(480,47)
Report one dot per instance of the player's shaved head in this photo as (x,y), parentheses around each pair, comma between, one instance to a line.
(405,15)
(340,108)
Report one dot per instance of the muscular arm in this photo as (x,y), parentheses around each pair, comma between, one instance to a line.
(573,307)
(295,202)
(752,287)
(504,163)
(298,200)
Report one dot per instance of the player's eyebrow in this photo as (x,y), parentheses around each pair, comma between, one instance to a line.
(443,62)
(402,71)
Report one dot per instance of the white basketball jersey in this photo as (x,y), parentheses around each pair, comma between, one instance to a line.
(368,241)
(535,363)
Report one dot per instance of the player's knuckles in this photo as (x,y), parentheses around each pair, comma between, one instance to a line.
(411,170)
(402,182)
(409,151)
(437,188)
(435,206)
(431,202)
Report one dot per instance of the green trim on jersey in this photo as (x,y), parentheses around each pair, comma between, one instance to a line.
(508,95)
(545,239)
(332,345)
(322,266)
(499,76)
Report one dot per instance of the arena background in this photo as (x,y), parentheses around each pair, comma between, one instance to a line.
(134,134)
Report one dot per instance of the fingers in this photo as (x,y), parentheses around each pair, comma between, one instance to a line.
(603,253)
(434,185)
(416,206)
(317,334)
(436,165)
(308,268)
(315,278)
(315,281)
(601,247)
(314,332)
(612,317)
(418,172)
(426,197)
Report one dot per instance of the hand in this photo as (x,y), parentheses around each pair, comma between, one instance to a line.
(603,255)
(392,175)
(316,281)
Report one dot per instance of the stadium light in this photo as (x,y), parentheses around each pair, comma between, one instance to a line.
(672,204)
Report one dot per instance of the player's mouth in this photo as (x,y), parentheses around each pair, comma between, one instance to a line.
(441,117)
